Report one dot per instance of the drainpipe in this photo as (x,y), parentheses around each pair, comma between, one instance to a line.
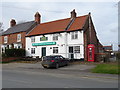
(66,44)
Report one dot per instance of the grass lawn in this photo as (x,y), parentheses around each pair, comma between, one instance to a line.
(107,68)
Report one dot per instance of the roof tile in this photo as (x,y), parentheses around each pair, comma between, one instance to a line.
(58,26)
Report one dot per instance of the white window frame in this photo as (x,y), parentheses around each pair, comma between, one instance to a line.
(55,50)
(76,49)
(55,37)
(74,35)
(18,37)
(32,39)
(5,39)
(32,50)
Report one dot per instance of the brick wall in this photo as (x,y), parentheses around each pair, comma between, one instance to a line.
(94,40)
(12,38)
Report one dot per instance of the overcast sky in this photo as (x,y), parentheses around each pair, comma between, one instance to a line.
(104,15)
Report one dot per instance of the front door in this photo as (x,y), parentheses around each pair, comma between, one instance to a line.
(71,55)
(43,51)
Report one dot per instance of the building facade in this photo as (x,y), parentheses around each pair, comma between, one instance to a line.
(68,37)
(14,37)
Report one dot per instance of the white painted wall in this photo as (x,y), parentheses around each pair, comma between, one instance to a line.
(60,43)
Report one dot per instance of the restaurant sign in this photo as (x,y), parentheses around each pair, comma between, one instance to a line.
(44,43)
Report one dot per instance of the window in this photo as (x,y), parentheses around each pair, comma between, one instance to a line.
(55,37)
(32,50)
(77,49)
(55,49)
(32,39)
(18,47)
(18,37)
(5,39)
(74,35)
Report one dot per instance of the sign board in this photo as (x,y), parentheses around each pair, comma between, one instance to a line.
(44,44)
(43,38)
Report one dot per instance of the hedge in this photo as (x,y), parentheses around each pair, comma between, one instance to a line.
(14,53)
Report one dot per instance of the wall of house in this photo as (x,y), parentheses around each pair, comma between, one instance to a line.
(12,39)
(63,46)
(93,40)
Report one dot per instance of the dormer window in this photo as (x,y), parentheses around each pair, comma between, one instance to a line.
(5,39)
(18,37)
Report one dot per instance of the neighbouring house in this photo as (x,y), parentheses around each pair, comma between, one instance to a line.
(68,37)
(108,50)
(14,37)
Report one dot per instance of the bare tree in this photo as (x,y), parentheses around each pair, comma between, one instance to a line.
(1,27)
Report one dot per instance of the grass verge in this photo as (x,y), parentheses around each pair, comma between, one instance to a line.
(107,68)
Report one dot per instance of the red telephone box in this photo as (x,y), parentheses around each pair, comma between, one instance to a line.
(91,52)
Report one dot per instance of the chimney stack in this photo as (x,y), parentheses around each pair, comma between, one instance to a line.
(73,14)
(12,23)
(37,17)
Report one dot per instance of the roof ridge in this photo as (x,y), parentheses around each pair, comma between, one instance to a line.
(62,19)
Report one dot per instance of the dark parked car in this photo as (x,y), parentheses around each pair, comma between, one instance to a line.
(54,61)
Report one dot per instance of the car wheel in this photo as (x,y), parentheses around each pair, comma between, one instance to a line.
(57,66)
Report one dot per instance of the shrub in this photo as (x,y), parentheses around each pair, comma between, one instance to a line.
(14,53)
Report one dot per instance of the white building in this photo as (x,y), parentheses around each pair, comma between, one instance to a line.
(67,37)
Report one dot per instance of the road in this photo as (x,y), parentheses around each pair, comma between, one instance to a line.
(36,77)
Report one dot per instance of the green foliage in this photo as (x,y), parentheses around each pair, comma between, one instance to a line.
(107,68)
(14,53)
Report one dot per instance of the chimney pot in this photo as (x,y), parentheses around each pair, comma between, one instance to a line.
(12,23)
(37,17)
(73,14)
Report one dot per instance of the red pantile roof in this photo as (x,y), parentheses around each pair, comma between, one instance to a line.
(58,26)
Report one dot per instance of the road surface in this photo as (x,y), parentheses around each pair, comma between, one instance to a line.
(28,76)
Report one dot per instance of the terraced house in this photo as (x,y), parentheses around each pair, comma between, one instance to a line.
(14,37)
(68,37)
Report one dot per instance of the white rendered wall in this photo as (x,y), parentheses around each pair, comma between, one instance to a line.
(60,43)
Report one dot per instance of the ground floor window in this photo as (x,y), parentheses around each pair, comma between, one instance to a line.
(32,50)
(77,49)
(55,49)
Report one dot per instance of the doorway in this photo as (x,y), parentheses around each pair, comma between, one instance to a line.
(43,51)
(71,53)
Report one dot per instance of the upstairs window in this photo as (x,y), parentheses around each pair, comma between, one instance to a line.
(5,39)
(55,37)
(32,39)
(18,37)
(74,35)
